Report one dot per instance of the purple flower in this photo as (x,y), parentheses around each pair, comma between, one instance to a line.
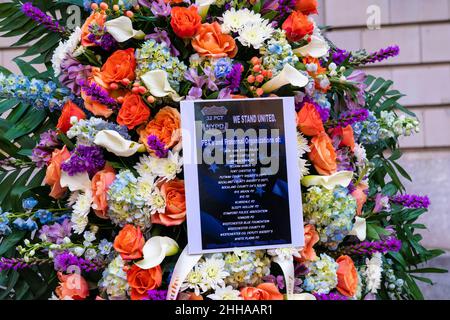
(330,296)
(84,159)
(160,9)
(158,295)
(15,264)
(339,56)
(358,78)
(63,262)
(225,93)
(368,248)
(42,153)
(161,36)
(97,93)
(192,75)
(350,117)
(41,18)
(157,146)
(382,54)
(195,93)
(276,280)
(210,79)
(56,232)
(412,201)
(234,77)
(73,74)
(342,157)
(105,41)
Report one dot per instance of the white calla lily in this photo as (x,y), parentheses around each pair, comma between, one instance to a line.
(341,178)
(289,75)
(302,296)
(122,29)
(113,142)
(155,250)
(203,6)
(317,48)
(78,182)
(359,229)
(157,83)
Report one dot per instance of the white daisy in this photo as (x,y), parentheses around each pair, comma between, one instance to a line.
(234,20)
(302,149)
(213,272)
(164,168)
(225,293)
(64,49)
(80,212)
(254,34)
(194,281)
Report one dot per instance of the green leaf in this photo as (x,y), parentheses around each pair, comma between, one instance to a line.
(11,241)
(428,270)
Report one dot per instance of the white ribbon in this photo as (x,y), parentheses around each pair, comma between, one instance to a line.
(186,262)
(287,266)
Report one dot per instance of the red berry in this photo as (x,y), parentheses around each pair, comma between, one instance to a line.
(251,79)
(104,6)
(114,86)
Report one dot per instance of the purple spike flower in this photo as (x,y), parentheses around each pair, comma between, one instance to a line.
(18,263)
(350,117)
(412,201)
(41,18)
(97,93)
(234,77)
(157,295)
(382,54)
(369,248)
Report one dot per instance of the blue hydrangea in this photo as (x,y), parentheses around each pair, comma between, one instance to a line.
(367,132)
(322,275)
(85,130)
(332,212)
(277,53)
(154,56)
(29,203)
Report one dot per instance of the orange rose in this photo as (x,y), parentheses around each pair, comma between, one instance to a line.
(311,238)
(165,126)
(309,120)
(297,26)
(345,135)
(360,195)
(96,18)
(323,155)
(70,110)
(119,66)
(72,286)
(129,242)
(133,112)
(100,185)
(211,42)
(265,291)
(347,276)
(185,21)
(306,6)
(141,281)
(53,173)
(174,195)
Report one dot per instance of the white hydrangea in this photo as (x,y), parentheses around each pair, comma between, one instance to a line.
(64,49)
(80,212)
(373,272)
(114,281)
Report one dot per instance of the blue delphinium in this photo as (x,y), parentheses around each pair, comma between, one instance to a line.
(4,223)
(44,216)
(222,68)
(38,93)
(25,225)
(29,203)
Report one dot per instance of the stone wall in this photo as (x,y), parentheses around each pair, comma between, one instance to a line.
(422,71)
